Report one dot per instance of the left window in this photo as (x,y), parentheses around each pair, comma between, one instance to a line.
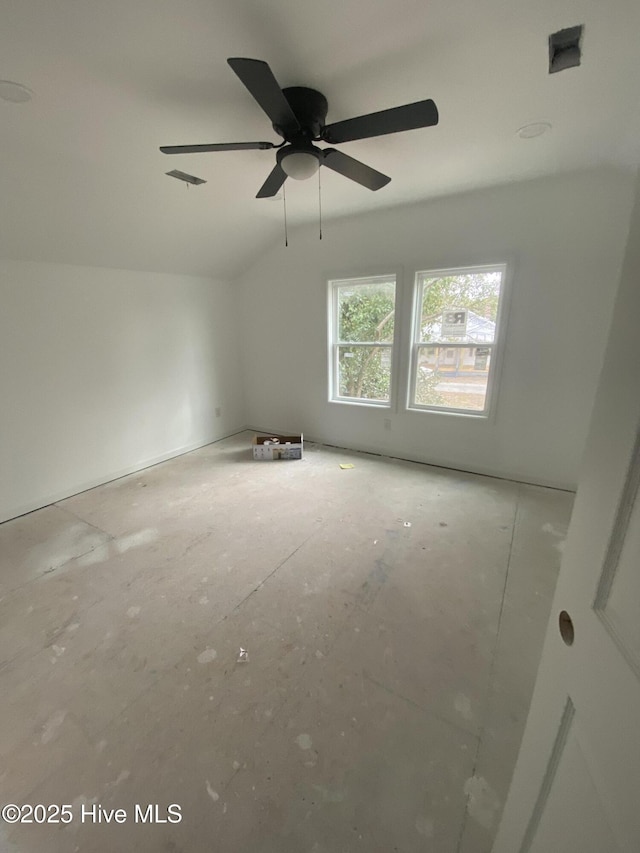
(361,330)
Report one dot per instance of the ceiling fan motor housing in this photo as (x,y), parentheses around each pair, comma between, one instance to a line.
(310,108)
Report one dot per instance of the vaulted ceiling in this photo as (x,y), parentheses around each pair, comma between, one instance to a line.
(82,179)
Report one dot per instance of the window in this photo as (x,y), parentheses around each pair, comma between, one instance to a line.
(455,337)
(361,330)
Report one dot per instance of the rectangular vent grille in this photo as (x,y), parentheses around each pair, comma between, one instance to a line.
(182,176)
(565,49)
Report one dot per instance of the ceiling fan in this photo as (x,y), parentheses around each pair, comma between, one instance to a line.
(298,115)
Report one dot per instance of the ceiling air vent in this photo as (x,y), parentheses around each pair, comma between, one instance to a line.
(182,176)
(565,49)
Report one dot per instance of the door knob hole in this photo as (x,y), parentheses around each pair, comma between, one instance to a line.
(566,628)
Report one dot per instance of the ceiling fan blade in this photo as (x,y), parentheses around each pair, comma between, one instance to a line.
(259,80)
(216,146)
(354,169)
(276,179)
(395,120)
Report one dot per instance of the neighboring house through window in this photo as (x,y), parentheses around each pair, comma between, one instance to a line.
(455,338)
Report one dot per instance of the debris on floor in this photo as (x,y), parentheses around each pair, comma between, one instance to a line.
(243,656)
(345,465)
(277,446)
(407,524)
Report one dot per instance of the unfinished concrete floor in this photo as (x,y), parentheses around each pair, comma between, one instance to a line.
(392,615)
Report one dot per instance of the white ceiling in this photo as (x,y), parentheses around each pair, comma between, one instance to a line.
(82,180)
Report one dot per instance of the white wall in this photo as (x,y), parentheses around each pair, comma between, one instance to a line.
(107,371)
(596,670)
(565,238)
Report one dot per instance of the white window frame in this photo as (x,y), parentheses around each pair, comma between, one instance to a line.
(496,346)
(334,283)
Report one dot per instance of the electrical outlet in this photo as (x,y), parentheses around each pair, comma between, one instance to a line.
(387,423)
(218,411)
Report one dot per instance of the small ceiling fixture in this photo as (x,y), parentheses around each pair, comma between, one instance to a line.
(15,93)
(537,128)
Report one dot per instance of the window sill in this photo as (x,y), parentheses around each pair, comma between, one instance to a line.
(453,413)
(363,404)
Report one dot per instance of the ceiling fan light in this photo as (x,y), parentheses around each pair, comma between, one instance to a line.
(300,165)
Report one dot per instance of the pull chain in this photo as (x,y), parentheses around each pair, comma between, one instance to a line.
(284,200)
(320,204)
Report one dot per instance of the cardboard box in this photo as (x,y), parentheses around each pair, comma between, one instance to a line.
(277,447)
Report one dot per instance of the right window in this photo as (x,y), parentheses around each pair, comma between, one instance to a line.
(456,333)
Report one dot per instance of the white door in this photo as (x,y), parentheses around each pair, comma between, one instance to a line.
(576,786)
